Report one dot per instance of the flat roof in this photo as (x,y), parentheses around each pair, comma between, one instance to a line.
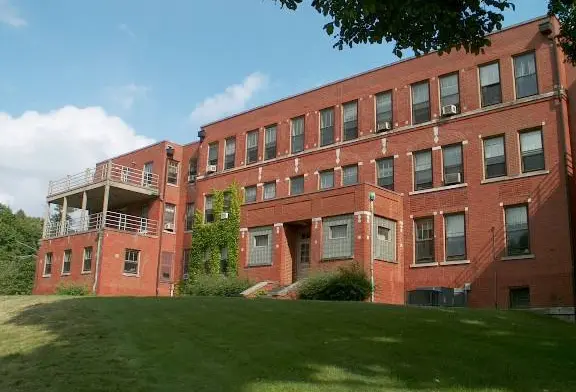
(361,74)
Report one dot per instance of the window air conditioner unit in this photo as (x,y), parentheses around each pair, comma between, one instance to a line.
(383,126)
(224,215)
(452,178)
(211,169)
(191,177)
(169,226)
(449,110)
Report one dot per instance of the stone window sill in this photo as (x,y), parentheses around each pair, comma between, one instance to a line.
(47,276)
(65,274)
(131,275)
(329,259)
(86,272)
(387,261)
(455,262)
(521,175)
(424,265)
(440,188)
(258,265)
(518,257)
(174,185)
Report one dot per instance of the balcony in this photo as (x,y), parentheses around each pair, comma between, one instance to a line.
(114,221)
(123,176)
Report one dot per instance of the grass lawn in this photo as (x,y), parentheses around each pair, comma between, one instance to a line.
(238,345)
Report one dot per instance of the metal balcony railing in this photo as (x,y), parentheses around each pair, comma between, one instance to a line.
(114,220)
(113,172)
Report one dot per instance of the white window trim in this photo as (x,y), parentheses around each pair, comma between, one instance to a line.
(64,262)
(338,238)
(44,274)
(262,235)
(84,258)
(175,220)
(137,274)
(177,173)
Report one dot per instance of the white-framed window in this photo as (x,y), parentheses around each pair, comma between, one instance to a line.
(87,259)
(169,217)
(525,75)
(229,153)
(327,179)
(385,173)
(67,262)
(350,175)
(338,231)
(147,176)
(350,120)
(252,147)
(192,170)
(455,236)
(495,157)
(131,261)
(452,162)
(297,132)
(424,238)
(383,108)
(270,142)
(423,170)
(296,185)
(208,209)
(532,150)
(261,246)
(450,91)
(326,126)
(420,102)
(250,194)
(261,240)
(166,266)
(172,173)
(338,237)
(47,264)
(517,230)
(189,216)
(384,239)
(213,154)
(269,190)
(490,84)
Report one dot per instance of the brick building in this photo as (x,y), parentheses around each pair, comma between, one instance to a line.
(469,159)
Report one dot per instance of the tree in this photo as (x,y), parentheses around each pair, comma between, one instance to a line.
(427,25)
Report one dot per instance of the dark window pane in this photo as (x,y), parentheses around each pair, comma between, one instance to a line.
(350,130)
(297,143)
(327,136)
(526,86)
(296,185)
(491,95)
(424,240)
(533,161)
(520,297)
(421,112)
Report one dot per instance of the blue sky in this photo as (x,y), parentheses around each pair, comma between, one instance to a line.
(162,67)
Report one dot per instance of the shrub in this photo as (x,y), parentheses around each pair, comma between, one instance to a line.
(214,286)
(348,283)
(72,289)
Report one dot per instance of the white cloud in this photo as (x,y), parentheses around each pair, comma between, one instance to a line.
(232,100)
(10,15)
(126,96)
(123,27)
(38,147)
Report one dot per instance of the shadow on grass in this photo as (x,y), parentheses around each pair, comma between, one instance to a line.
(213,344)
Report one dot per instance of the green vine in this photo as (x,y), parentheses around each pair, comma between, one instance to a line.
(209,238)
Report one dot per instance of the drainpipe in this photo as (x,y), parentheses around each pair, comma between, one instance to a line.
(565,131)
(372,289)
(161,227)
(102,227)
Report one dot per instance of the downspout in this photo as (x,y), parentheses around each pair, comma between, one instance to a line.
(161,226)
(565,131)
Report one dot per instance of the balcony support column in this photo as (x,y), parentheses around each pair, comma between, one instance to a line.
(46,219)
(84,212)
(63,216)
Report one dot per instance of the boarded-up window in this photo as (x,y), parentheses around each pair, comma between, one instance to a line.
(166,266)
(261,245)
(384,239)
(338,235)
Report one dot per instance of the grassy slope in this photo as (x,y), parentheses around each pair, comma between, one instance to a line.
(234,345)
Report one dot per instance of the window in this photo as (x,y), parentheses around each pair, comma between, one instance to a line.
(384,239)
(147,176)
(455,237)
(297,135)
(186,262)
(87,259)
(385,173)
(517,231)
(338,237)
(189,216)
(519,297)
(252,147)
(420,103)
(213,154)
(350,175)
(452,159)
(260,248)
(169,217)
(131,261)
(172,175)
(270,190)
(166,266)
(525,75)
(449,91)
(532,151)
(383,108)
(224,260)
(327,179)
(350,112)
(423,170)
(424,240)
(48,264)
(226,202)
(230,153)
(490,84)
(338,231)
(250,194)
(296,185)
(270,142)
(494,157)
(208,211)
(67,262)
(192,170)
(326,126)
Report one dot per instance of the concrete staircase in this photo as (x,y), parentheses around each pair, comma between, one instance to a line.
(270,289)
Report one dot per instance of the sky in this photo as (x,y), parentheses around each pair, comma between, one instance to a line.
(82,81)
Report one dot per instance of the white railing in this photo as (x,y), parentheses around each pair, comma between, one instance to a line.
(113,172)
(114,220)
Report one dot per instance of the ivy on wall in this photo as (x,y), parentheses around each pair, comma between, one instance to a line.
(209,238)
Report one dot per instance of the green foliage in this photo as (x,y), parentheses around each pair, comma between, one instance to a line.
(72,289)
(19,236)
(209,238)
(565,11)
(214,286)
(348,283)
